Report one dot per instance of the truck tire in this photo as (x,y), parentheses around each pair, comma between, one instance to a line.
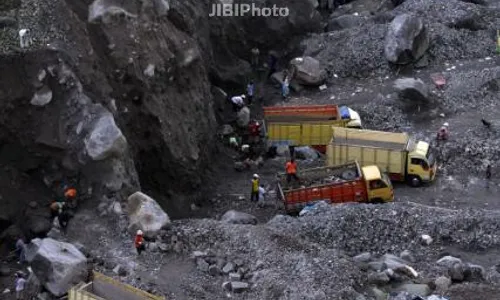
(349,175)
(414,181)
(377,201)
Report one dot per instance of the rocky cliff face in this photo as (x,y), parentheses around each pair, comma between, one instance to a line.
(115,96)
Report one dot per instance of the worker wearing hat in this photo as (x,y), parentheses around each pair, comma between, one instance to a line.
(443,132)
(255,188)
(139,242)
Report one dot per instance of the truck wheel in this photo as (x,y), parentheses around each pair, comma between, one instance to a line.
(414,181)
(377,201)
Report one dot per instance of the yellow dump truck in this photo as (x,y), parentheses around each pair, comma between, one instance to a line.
(398,154)
(308,125)
(106,288)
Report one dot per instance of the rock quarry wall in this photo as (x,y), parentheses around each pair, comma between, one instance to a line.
(115,96)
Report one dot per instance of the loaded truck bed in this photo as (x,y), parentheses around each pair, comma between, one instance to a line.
(335,184)
(368,143)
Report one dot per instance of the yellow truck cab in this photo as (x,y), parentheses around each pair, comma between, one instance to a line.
(397,154)
(379,186)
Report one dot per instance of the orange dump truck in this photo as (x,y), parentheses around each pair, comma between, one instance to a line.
(337,184)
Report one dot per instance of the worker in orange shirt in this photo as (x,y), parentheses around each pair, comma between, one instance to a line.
(70,196)
(291,170)
(139,242)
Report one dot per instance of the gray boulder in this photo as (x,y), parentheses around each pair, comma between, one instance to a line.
(363,257)
(146,214)
(442,284)
(236,217)
(378,278)
(456,272)
(105,139)
(448,261)
(421,290)
(57,265)
(407,40)
(344,22)
(42,97)
(243,117)
(474,273)
(307,71)
(412,89)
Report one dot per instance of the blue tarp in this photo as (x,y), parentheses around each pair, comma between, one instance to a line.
(344,113)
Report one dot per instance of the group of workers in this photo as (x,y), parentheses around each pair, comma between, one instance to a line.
(61,207)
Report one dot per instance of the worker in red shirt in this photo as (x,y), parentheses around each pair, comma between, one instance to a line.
(254,129)
(291,170)
(139,242)
(70,196)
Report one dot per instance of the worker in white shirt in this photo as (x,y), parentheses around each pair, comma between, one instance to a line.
(262,195)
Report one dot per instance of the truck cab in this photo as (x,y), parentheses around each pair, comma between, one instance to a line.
(421,164)
(379,186)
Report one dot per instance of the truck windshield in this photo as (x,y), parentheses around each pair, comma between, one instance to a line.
(386,179)
(431,157)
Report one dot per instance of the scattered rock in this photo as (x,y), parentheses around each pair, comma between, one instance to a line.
(421,290)
(150,70)
(406,40)
(448,261)
(234,277)
(228,268)
(412,89)
(146,214)
(214,270)
(442,284)
(407,255)
(474,273)
(344,22)
(426,239)
(202,265)
(456,272)
(363,257)
(239,287)
(379,278)
(236,217)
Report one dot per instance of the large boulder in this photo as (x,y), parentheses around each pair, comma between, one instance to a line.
(57,265)
(344,22)
(236,217)
(412,89)
(106,139)
(243,117)
(407,40)
(146,214)
(308,71)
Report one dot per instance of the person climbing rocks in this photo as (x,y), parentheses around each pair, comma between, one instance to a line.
(250,91)
(139,242)
(20,283)
(273,61)
(70,196)
(254,128)
(262,195)
(64,217)
(56,208)
(238,102)
(291,171)
(255,57)
(285,87)
(443,132)
(233,142)
(21,250)
(255,188)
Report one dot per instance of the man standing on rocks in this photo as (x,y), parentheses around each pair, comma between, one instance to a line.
(21,250)
(250,91)
(443,132)
(262,195)
(291,170)
(255,57)
(255,188)
(238,102)
(20,283)
(139,242)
